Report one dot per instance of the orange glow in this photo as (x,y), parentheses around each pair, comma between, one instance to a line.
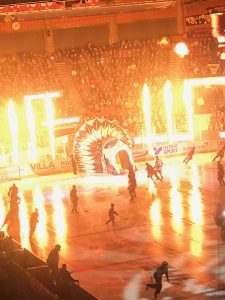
(181,49)
(176,206)
(201,101)
(164,41)
(13,125)
(147,113)
(206,81)
(195,201)
(155,215)
(168,98)
(197,240)
(43,96)
(164,138)
(32,129)
(24,223)
(59,215)
(41,226)
(187,97)
(2,211)
(215,24)
(196,215)
(151,187)
(50,123)
(50,120)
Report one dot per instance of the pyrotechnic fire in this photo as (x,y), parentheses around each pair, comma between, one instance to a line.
(147,113)
(187,97)
(50,123)
(13,125)
(47,97)
(168,98)
(32,128)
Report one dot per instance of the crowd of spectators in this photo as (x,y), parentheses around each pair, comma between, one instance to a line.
(217,120)
(204,61)
(113,77)
(109,81)
(26,73)
(203,52)
(105,77)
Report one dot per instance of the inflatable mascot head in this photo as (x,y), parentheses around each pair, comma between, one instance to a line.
(97,144)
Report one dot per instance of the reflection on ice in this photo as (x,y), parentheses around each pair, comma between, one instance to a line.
(59,215)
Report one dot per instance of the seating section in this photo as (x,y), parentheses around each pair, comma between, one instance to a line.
(24,276)
(217,121)
(109,80)
(204,52)
(109,77)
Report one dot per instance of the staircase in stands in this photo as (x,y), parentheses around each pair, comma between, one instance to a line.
(72,96)
(175,66)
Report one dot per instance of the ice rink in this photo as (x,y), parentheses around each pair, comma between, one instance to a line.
(171,221)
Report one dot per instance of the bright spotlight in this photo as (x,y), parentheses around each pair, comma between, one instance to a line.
(181,49)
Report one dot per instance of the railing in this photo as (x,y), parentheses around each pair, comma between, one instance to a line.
(25,276)
(26,6)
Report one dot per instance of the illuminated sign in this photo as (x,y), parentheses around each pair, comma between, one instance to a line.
(64,121)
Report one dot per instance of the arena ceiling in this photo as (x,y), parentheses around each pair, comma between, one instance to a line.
(103,8)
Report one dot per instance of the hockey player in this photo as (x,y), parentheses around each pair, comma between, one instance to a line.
(220,154)
(158,274)
(189,155)
(158,167)
(151,173)
(112,213)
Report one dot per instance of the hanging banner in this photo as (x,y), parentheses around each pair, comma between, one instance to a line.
(198,20)
(216,9)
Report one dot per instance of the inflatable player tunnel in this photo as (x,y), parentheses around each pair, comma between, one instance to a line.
(98,144)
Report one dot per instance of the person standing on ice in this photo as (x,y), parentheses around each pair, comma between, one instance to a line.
(158,167)
(74,199)
(220,154)
(152,173)
(189,156)
(33,222)
(132,183)
(13,193)
(53,261)
(158,274)
(220,173)
(112,213)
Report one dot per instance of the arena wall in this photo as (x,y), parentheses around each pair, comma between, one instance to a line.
(140,153)
(147,29)
(21,42)
(67,38)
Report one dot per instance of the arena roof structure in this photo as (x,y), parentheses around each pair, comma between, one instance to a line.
(54,9)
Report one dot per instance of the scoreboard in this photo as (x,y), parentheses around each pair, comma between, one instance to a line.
(218,30)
